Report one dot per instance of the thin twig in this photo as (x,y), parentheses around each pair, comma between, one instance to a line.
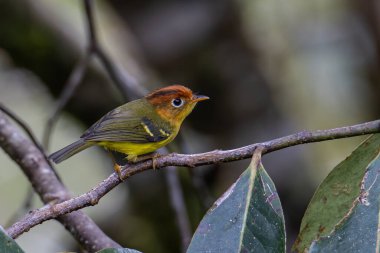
(127,84)
(50,189)
(70,87)
(23,125)
(218,156)
(91,31)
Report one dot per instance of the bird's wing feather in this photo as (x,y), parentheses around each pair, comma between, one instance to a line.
(119,126)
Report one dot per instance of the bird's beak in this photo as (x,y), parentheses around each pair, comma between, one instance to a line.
(197,98)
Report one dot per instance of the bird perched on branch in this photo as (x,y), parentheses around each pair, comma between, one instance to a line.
(139,127)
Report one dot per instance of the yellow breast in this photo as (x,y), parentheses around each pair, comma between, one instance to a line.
(132,150)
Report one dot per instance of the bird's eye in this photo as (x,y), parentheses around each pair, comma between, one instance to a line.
(177,102)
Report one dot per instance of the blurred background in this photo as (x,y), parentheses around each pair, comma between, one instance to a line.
(271,68)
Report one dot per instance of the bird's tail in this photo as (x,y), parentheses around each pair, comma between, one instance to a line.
(69,151)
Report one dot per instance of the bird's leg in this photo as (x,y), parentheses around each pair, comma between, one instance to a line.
(116,166)
(135,159)
(117,169)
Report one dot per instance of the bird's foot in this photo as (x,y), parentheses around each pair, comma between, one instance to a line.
(117,169)
(136,159)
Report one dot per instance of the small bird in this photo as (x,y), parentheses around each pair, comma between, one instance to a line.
(139,127)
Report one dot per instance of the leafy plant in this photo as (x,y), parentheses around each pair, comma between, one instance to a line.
(343,215)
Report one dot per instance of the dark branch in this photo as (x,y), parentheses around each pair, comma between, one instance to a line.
(218,156)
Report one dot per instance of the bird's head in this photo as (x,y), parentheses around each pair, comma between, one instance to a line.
(174,103)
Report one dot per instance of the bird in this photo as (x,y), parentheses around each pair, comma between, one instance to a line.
(138,127)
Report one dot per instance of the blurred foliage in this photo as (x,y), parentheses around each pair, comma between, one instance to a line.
(271,68)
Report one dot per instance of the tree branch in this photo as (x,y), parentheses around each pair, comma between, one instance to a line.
(50,189)
(91,31)
(218,156)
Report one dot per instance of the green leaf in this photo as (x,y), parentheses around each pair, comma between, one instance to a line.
(343,215)
(247,218)
(7,244)
(109,250)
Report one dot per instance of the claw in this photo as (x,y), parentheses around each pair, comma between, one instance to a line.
(154,162)
(117,169)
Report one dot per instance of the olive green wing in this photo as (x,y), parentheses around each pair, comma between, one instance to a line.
(118,126)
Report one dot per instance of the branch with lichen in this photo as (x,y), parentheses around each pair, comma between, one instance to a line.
(191,160)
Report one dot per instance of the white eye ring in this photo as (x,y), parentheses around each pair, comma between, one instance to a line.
(177,102)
